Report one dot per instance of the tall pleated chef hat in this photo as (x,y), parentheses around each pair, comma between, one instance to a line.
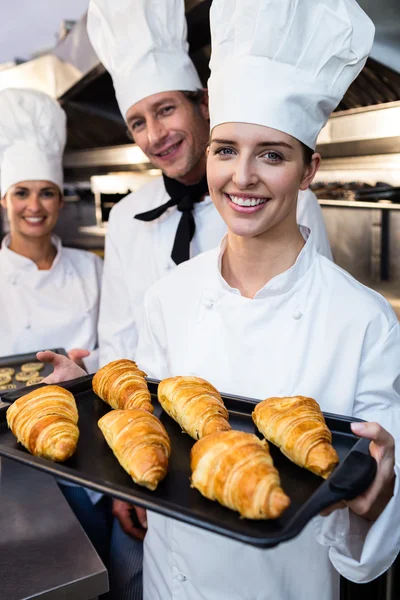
(142,44)
(285,64)
(32,138)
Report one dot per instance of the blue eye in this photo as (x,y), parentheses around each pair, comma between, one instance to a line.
(224,151)
(136,125)
(273,156)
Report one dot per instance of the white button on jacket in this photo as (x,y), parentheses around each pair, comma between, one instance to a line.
(138,254)
(344,351)
(42,309)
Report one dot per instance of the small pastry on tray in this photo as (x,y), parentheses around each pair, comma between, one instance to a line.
(194,404)
(236,469)
(32,366)
(140,444)
(7,371)
(297,426)
(121,384)
(45,422)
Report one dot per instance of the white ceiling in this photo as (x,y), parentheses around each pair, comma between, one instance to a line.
(27,26)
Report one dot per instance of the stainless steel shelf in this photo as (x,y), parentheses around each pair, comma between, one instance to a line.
(360,204)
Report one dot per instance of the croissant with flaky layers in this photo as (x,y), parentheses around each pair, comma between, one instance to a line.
(121,384)
(297,426)
(195,404)
(236,469)
(139,442)
(45,422)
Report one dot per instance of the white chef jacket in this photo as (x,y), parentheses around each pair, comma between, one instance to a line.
(137,254)
(54,308)
(314,331)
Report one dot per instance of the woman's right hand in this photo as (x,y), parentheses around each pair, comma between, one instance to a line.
(64,368)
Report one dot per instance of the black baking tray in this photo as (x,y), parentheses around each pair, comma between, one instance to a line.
(16,360)
(94,466)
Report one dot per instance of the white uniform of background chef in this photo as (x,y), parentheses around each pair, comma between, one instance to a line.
(49,295)
(143,46)
(241,318)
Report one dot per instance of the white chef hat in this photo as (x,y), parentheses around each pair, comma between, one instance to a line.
(142,43)
(285,64)
(32,138)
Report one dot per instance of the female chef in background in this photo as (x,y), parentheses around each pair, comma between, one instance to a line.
(49,295)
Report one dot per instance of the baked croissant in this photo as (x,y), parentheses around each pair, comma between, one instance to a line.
(297,426)
(45,422)
(139,442)
(236,469)
(121,384)
(195,404)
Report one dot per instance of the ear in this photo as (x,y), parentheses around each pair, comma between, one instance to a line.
(310,171)
(204,105)
(3,202)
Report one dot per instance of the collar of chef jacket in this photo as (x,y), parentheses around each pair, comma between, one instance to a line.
(14,262)
(285,281)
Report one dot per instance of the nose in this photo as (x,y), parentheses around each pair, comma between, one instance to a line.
(245,174)
(156,132)
(34,204)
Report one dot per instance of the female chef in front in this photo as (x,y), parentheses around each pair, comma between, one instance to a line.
(265,315)
(49,295)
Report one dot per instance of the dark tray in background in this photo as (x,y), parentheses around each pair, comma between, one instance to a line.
(94,466)
(17,360)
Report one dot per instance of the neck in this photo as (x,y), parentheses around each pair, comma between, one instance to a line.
(195,174)
(248,264)
(39,250)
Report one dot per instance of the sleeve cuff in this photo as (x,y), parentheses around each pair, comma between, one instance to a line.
(360,550)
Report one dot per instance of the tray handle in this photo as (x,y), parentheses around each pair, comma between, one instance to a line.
(352,477)
(355,474)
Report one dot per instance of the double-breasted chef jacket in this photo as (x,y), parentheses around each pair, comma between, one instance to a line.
(138,254)
(54,308)
(312,330)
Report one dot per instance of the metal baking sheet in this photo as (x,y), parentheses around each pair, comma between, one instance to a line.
(94,466)
(17,360)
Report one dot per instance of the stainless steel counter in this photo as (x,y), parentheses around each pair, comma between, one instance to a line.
(44,552)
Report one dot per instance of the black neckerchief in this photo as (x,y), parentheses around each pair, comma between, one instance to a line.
(184,198)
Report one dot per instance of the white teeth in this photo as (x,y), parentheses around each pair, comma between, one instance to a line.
(34,219)
(247,201)
(169,150)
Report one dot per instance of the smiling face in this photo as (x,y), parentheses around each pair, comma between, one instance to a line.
(254,174)
(172,131)
(32,208)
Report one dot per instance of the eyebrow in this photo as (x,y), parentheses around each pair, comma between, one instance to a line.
(260,145)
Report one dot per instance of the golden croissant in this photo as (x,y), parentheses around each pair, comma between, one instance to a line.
(139,442)
(236,469)
(45,422)
(297,426)
(122,385)
(195,404)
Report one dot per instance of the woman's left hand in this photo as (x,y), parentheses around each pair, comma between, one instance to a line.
(374,500)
